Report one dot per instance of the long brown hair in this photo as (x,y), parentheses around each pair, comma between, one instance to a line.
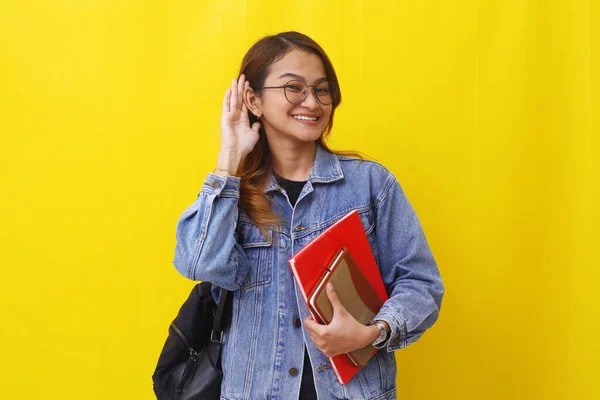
(255,168)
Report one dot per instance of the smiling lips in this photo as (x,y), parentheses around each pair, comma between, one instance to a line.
(305,118)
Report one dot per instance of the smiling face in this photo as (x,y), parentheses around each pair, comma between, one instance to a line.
(282,120)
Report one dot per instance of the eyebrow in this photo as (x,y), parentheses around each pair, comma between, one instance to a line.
(296,76)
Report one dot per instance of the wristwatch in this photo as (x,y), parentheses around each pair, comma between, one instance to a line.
(380,341)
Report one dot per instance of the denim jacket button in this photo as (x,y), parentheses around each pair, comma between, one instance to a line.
(293,372)
(215,185)
(300,228)
(297,323)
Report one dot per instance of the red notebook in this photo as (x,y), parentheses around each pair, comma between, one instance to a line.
(309,265)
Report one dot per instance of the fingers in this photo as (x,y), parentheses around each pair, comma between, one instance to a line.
(338,308)
(240,90)
(243,94)
(237,91)
(226,100)
(233,98)
(256,126)
(313,328)
(244,114)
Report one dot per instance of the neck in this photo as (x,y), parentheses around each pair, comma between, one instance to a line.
(293,161)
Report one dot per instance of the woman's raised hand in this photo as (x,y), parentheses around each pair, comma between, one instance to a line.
(238,138)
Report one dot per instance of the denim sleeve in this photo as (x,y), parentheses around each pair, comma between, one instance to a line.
(407,267)
(207,248)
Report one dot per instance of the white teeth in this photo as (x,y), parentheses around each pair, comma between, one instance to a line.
(302,117)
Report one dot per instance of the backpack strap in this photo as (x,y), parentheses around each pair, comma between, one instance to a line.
(217,332)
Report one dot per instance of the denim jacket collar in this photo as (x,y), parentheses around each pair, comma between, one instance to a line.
(325,169)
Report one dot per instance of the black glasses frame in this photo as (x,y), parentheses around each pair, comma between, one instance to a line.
(284,87)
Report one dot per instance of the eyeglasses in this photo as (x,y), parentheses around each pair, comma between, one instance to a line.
(296,91)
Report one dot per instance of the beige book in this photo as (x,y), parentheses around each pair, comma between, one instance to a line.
(355,293)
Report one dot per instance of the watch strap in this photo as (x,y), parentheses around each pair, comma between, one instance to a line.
(380,340)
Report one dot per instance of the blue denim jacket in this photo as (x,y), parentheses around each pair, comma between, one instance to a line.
(263,350)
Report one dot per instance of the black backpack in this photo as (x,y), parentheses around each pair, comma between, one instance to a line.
(189,366)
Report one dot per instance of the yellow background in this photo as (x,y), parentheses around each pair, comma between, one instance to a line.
(487,111)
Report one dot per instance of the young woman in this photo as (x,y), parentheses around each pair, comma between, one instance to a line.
(277,186)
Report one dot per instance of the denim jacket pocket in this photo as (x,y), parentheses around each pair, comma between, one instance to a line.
(259,253)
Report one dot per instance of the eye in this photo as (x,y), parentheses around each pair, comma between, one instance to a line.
(322,90)
(294,87)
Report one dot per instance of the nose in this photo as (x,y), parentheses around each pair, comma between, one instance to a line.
(310,101)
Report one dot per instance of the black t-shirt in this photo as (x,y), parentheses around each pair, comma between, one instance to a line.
(307,387)
(292,188)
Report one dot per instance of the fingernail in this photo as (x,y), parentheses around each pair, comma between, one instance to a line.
(329,286)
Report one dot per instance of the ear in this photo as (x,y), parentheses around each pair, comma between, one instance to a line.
(252,102)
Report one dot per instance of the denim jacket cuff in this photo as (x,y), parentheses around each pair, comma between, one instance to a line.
(398,336)
(222,186)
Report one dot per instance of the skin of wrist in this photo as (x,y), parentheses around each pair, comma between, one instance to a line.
(372,334)
(229,161)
